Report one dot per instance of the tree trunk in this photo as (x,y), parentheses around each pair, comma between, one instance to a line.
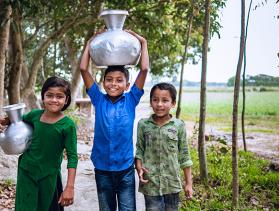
(184,60)
(38,55)
(201,139)
(76,79)
(74,63)
(5,15)
(24,75)
(17,61)
(235,183)
(244,81)
(31,101)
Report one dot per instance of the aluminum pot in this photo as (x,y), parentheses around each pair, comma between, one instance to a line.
(16,138)
(115,46)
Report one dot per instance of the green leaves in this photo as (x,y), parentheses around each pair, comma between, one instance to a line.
(163,23)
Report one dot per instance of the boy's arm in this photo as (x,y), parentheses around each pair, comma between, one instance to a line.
(188,189)
(185,160)
(141,171)
(144,60)
(84,63)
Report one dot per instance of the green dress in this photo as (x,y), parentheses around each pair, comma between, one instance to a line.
(39,165)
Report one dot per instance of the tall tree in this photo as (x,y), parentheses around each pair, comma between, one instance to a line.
(235,183)
(33,37)
(5,15)
(201,136)
(16,57)
(184,59)
(244,81)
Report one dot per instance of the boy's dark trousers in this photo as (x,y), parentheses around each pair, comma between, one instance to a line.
(116,189)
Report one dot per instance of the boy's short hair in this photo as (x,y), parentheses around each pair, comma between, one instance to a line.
(120,68)
(55,81)
(164,86)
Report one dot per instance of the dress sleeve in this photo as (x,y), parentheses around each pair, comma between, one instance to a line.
(140,145)
(184,154)
(71,145)
(94,93)
(29,117)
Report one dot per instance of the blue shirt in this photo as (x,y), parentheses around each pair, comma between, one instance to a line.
(113,134)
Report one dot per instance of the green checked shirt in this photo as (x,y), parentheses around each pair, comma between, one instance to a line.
(163,150)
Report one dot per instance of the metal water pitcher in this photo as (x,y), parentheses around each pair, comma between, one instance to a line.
(114,46)
(16,138)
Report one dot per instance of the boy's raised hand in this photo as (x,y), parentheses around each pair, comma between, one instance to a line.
(84,62)
(140,38)
(144,59)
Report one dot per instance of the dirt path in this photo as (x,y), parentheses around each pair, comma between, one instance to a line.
(262,144)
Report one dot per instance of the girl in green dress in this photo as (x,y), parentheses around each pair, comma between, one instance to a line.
(39,186)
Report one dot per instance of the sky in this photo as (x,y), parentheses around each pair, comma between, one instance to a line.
(262,44)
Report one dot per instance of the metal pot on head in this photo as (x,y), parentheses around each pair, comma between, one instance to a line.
(17,137)
(115,46)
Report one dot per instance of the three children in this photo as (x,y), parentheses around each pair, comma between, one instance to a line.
(162,149)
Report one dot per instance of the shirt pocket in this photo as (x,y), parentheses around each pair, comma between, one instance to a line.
(121,109)
(121,117)
(172,139)
(120,113)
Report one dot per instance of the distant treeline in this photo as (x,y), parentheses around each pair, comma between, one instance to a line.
(257,80)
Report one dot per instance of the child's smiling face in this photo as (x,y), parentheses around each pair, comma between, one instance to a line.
(54,99)
(161,102)
(115,83)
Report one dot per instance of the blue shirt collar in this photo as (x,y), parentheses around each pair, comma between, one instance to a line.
(119,98)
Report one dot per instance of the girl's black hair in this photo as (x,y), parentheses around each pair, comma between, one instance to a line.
(58,82)
(120,68)
(164,86)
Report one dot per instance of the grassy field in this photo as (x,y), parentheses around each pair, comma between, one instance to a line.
(262,113)
(258,186)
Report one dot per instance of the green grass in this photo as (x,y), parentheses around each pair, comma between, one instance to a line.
(8,182)
(261,115)
(258,187)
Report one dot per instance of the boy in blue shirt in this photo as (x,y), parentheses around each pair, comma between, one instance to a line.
(112,152)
